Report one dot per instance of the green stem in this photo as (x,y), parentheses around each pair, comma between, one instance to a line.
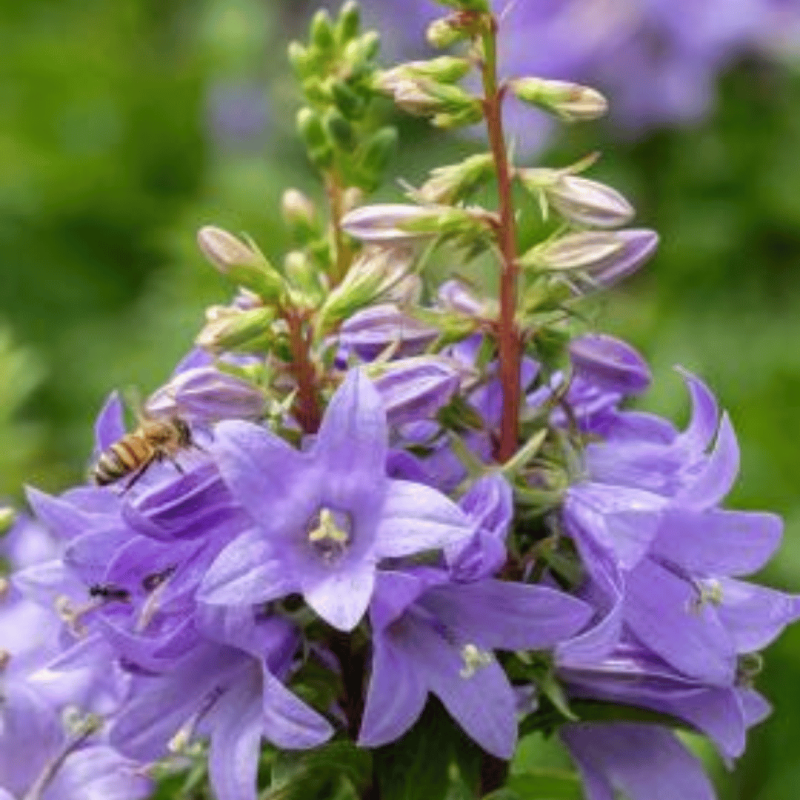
(339,246)
(509,338)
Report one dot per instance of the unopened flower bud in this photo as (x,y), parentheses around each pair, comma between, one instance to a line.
(383,222)
(236,329)
(574,251)
(348,22)
(455,182)
(603,258)
(421,95)
(305,276)
(455,296)
(446,69)
(415,389)
(398,223)
(609,363)
(372,330)
(297,210)
(571,102)
(208,394)
(443,33)
(579,200)
(640,244)
(7,518)
(240,263)
(375,272)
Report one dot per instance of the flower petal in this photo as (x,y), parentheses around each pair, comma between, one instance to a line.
(287,721)
(507,616)
(245,572)
(340,597)
(395,697)
(416,517)
(667,615)
(264,473)
(715,480)
(717,542)
(235,742)
(353,437)
(643,761)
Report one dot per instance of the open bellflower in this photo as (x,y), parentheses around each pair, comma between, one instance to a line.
(322,519)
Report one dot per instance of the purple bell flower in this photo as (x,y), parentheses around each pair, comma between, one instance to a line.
(322,519)
(430,635)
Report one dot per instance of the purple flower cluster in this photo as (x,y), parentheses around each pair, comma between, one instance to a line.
(182,609)
(657,60)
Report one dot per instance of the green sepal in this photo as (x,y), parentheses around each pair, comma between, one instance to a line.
(348,22)
(321,31)
(339,131)
(350,103)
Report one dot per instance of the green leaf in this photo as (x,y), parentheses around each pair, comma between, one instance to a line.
(546,784)
(319,773)
(418,765)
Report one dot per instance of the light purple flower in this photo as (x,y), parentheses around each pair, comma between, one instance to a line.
(646,762)
(322,519)
(430,635)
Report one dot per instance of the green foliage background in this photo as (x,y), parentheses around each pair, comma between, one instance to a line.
(109,163)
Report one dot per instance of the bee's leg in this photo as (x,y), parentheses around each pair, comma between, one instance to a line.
(136,475)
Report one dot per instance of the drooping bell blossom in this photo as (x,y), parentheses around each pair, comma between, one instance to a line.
(229,689)
(323,518)
(634,676)
(431,635)
(643,761)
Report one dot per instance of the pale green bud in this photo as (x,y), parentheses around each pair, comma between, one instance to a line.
(445,69)
(239,262)
(312,132)
(348,22)
(8,517)
(442,33)
(573,251)
(322,30)
(571,102)
(372,278)
(305,276)
(454,182)
(230,328)
(424,96)
(578,200)
(298,211)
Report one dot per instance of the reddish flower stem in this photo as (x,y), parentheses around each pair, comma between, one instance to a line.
(509,338)
(306,407)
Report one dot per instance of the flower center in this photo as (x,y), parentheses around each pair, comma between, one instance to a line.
(329,532)
(474,659)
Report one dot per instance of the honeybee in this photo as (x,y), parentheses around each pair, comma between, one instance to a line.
(154,440)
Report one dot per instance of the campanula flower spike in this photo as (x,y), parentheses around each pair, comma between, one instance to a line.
(414,513)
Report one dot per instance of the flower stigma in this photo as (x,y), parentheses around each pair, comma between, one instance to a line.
(474,659)
(329,533)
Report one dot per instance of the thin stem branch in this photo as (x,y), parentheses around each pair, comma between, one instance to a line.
(341,250)
(509,338)
(307,407)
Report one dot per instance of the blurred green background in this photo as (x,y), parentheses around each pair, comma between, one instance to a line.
(126,126)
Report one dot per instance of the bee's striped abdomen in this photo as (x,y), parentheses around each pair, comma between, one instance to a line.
(130,454)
